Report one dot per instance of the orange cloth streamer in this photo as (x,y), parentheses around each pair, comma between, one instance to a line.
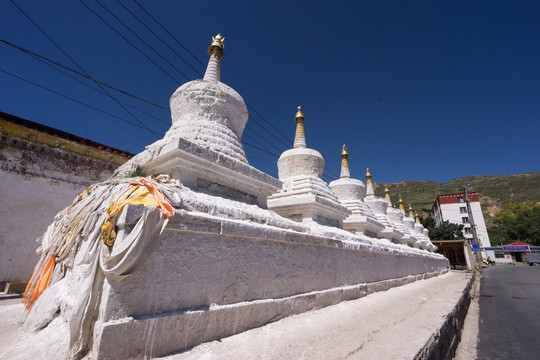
(43,271)
(166,207)
(40,283)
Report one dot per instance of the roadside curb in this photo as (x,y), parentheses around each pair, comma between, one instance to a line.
(443,344)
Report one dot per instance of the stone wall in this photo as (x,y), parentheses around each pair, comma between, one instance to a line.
(212,277)
(41,171)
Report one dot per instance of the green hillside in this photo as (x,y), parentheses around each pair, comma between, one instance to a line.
(494,191)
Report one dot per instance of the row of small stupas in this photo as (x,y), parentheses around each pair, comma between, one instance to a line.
(211,116)
(345,203)
(241,249)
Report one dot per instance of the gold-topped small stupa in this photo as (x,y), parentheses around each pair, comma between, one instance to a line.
(387,195)
(416,217)
(401,206)
(411,214)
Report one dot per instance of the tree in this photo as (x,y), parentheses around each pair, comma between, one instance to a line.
(445,231)
(517,222)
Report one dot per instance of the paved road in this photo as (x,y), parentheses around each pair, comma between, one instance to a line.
(509,303)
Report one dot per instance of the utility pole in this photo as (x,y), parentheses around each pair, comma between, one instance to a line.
(471,220)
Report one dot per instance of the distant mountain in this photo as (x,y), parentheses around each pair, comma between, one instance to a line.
(494,191)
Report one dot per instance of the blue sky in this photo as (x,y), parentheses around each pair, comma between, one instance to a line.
(418,90)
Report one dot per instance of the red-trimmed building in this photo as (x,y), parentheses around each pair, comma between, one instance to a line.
(452,207)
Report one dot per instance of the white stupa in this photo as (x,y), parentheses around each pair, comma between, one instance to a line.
(396,216)
(379,207)
(305,197)
(408,222)
(426,243)
(350,193)
(419,229)
(202,149)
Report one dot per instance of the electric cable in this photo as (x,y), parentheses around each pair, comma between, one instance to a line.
(77,64)
(167,31)
(261,148)
(74,100)
(110,26)
(142,40)
(46,60)
(248,127)
(129,42)
(180,43)
(96,89)
(29,52)
(200,62)
(160,39)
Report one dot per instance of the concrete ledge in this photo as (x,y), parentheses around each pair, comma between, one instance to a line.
(169,331)
(443,343)
(420,320)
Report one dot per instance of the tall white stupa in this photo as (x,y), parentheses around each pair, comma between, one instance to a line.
(203,148)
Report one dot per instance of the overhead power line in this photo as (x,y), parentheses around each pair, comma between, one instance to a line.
(273,133)
(74,100)
(143,41)
(123,37)
(80,67)
(46,60)
(29,52)
(167,31)
(129,42)
(96,89)
(202,64)
(160,39)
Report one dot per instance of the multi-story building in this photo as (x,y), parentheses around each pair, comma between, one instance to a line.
(453,207)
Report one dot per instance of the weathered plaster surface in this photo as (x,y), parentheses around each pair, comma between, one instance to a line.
(36,182)
(29,204)
(212,277)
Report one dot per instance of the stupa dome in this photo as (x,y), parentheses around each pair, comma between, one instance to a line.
(300,160)
(208,112)
(347,188)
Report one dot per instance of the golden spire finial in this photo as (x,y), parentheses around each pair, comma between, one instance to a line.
(217,46)
(300,135)
(215,50)
(416,217)
(368,176)
(344,152)
(401,206)
(345,163)
(410,211)
(387,195)
(300,116)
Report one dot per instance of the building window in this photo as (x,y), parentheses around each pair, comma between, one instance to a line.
(460,199)
(467,230)
(463,210)
(465,220)
(499,254)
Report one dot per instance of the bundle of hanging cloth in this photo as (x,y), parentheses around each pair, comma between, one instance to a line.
(91,218)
